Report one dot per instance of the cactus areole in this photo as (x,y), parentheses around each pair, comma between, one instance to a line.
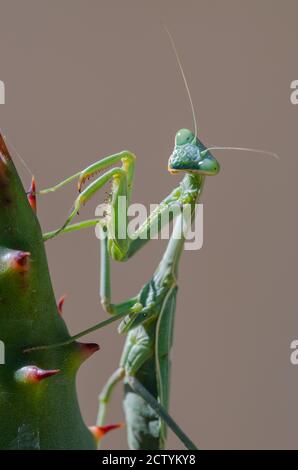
(38,402)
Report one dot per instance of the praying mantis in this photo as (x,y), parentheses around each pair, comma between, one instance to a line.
(147,318)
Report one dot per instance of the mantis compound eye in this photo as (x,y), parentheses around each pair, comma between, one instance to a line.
(184,136)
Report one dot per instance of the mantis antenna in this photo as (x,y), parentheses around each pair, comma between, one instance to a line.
(245,149)
(184,78)
(265,152)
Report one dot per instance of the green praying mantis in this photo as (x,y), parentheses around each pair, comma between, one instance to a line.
(147,318)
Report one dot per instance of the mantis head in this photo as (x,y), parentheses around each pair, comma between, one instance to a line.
(191,156)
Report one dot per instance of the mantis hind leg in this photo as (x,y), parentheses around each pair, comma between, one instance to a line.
(105,395)
(121,372)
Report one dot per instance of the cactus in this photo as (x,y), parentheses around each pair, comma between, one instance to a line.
(38,402)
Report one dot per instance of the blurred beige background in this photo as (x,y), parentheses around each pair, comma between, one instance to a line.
(88,78)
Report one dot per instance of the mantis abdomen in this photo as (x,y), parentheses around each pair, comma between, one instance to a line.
(145,429)
(143,424)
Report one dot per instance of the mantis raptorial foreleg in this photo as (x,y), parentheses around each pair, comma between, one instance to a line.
(120,247)
(121,178)
(127,159)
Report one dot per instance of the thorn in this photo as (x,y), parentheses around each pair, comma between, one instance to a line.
(99,431)
(31,194)
(60,304)
(4,150)
(20,261)
(4,159)
(85,350)
(33,374)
